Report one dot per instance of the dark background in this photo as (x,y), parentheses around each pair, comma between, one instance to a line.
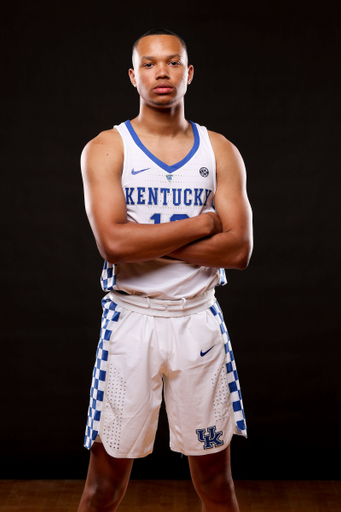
(266,76)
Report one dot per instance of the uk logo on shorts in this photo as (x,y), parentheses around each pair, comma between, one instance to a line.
(210,437)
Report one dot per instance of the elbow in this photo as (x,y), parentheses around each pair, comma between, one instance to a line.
(243,257)
(111,252)
(242,263)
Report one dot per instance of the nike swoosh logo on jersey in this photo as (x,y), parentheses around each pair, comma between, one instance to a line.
(138,172)
(204,353)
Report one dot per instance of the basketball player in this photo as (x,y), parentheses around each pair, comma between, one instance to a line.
(149,189)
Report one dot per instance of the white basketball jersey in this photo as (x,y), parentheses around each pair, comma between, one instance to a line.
(155,193)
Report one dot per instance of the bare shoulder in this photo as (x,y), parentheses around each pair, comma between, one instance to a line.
(103,153)
(229,160)
(222,147)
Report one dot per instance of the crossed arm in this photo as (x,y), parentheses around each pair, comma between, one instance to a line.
(222,240)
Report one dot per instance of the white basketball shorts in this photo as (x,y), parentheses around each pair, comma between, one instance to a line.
(147,345)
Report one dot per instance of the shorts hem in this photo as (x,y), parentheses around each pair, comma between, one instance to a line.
(119,455)
(201,451)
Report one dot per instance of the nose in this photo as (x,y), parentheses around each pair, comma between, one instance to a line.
(162,71)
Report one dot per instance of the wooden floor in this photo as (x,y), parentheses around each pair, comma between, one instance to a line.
(173,496)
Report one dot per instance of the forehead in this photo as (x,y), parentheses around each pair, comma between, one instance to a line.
(158,46)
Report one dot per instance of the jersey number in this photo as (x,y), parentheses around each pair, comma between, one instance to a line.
(176,216)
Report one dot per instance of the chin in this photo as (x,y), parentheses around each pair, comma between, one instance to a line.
(168,103)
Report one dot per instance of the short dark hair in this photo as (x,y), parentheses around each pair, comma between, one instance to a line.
(159,32)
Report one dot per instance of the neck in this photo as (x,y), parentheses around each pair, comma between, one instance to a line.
(168,120)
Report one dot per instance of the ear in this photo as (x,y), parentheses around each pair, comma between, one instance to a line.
(132,77)
(190,74)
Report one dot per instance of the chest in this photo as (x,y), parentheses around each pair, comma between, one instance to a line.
(168,150)
(154,194)
(158,191)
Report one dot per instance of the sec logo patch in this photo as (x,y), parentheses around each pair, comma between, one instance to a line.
(204,172)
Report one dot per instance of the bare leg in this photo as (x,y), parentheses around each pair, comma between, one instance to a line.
(212,479)
(106,482)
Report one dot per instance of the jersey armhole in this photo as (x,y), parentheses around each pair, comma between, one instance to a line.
(213,158)
(120,129)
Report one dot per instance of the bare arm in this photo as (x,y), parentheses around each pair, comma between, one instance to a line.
(117,239)
(233,246)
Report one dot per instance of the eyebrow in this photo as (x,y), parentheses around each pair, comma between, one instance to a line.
(168,57)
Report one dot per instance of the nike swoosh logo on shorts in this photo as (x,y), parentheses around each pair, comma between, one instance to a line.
(204,353)
(138,172)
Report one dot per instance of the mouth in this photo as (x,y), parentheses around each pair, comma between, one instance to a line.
(163,89)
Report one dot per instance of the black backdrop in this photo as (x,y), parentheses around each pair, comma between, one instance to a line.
(265,77)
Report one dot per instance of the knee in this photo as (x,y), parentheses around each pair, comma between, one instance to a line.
(219,489)
(104,494)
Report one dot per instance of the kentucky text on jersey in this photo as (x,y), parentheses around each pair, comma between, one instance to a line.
(166,196)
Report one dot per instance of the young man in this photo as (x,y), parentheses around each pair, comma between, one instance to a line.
(161,324)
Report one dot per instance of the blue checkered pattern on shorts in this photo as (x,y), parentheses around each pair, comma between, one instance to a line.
(232,374)
(109,318)
(108,277)
(222,277)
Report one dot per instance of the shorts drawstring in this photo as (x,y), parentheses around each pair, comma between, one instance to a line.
(160,307)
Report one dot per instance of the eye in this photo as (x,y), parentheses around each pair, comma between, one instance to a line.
(147,65)
(174,63)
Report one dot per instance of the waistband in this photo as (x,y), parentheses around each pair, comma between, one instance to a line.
(160,307)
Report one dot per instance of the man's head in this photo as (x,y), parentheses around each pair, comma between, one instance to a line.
(158,32)
(160,68)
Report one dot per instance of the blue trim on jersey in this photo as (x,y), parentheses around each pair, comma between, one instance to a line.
(165,167)
(222,277)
